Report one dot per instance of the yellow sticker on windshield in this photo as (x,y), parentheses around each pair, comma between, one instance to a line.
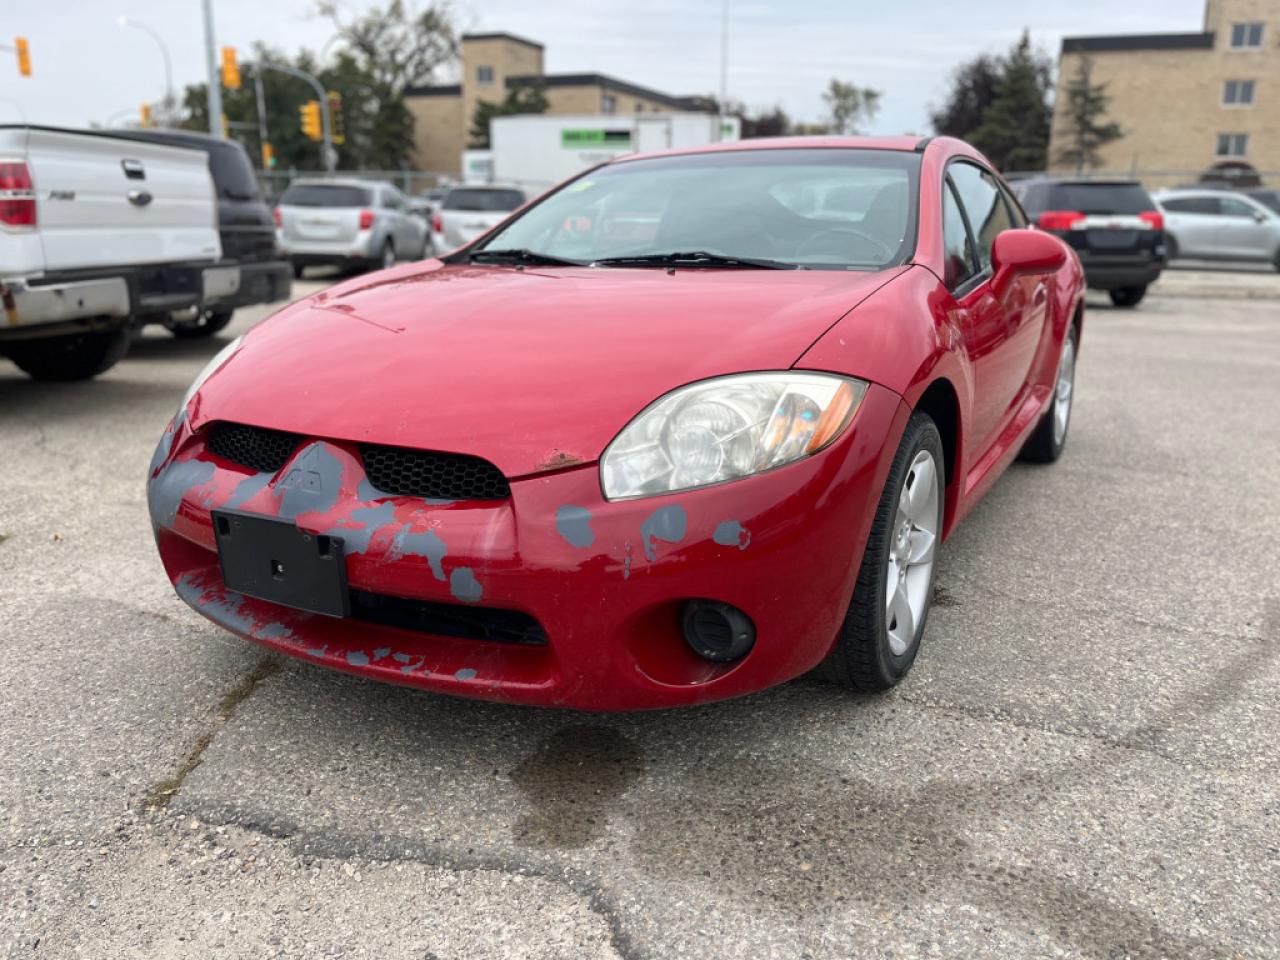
(581,185)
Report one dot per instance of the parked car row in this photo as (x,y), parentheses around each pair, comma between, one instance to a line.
(103,231)
(1210,224)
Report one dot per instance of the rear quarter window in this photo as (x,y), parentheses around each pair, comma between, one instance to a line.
(326,195)
(483,200)
(1101,198)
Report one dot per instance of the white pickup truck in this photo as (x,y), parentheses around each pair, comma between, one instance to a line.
(95,230)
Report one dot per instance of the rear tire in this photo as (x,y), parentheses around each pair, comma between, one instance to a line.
(875,648)
(76,356)
(387,259)
(1048,441)
(206,325)
(1128,296)
(1170,247)
(297,270)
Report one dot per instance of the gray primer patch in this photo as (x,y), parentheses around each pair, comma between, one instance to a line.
(165,492)
(166,443)
(730,533)
(368,493)
(247,489)
(224,610)
(626,563)
(464,585)
(317,651)
(574,524)
(381,653)
(410,663)
(312,483)
(466,673)
(357,658)
(370,520)
(275,631)
(425,544)
(667,523)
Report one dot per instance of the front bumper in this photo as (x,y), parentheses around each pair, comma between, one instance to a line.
(606,581)
(364,246)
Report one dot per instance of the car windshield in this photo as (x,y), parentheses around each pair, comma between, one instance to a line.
(486,200)
(326,195)
(819,207)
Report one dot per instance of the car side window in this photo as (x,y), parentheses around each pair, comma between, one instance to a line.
(983,205)
(1231,207)
(1016,213)
(958,259)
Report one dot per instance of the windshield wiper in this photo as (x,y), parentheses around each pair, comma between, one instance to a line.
(694,258)
(521,256)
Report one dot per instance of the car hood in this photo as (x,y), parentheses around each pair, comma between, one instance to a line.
(532,369)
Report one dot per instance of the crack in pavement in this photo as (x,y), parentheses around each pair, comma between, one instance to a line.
(160,793)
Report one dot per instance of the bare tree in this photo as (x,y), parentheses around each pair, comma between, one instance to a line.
(397,46)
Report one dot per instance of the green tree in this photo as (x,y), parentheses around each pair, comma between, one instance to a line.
(526,98)
(1086,129)
(1014,132)
(850,106)
(973,87)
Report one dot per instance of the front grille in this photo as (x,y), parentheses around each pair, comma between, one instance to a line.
(436,476)
(253,447)
(447,619)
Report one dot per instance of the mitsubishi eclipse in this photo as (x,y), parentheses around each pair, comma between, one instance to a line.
(688,426)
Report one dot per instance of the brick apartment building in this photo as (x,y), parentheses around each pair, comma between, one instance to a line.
(1186,102)
(492,64)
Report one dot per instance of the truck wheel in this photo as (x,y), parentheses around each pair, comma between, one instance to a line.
(1128,296)
(206,325)
(76,356)
(297,270)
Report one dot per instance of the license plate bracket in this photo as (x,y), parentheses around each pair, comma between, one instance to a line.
(271,559)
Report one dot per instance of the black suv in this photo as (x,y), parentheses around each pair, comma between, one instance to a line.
(1113,225)
(245,226)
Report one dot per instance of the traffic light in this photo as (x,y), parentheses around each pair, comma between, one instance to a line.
(144,114)
(230,69)
(309,113)
(337,132)
(24,55)
(268,156)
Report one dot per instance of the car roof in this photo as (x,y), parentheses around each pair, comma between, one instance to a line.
(901,144)
(339,182)
(1082,182)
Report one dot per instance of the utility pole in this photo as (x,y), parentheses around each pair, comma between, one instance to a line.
(262,111)
(215,77)
(724,66)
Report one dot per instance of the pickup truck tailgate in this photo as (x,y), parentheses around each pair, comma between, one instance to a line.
(104,202)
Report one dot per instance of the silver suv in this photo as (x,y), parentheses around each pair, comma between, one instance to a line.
(364,223)
(1219,225)
(468,211)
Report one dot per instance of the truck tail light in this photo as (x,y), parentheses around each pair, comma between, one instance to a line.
(275,215)
(1061,220)
(1152,218)
(366,219)
(17,195)
(437,222)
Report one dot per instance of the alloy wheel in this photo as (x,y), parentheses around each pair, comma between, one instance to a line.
(911,552)
(1062,390)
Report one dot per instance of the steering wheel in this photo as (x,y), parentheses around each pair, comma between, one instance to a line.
(808,244)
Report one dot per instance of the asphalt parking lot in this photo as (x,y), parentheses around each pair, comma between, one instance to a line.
(1084,762)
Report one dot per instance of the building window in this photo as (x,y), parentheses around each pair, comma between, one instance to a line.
(1238,93)
(608,103)
(1232,144)
(1246,36)
(484,76)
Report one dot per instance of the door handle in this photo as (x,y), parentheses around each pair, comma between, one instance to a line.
(139,198)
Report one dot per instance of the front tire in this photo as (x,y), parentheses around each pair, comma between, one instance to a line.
(1128,296)
(386,258)
(880,636)
(1048,441)
(76,356)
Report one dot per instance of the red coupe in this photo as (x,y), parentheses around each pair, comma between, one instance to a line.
(689,425)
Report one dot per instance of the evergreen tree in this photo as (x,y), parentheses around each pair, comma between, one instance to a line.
(973,87)
(1086,127)
(1014,131)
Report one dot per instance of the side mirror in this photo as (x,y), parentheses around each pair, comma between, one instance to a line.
(1019,252)
(1259,216)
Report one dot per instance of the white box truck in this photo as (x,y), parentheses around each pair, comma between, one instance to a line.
(537,151)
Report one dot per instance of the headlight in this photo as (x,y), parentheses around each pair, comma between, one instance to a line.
(221,357)
(725,429)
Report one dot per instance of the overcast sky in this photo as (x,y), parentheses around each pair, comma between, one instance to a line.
(87,68)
